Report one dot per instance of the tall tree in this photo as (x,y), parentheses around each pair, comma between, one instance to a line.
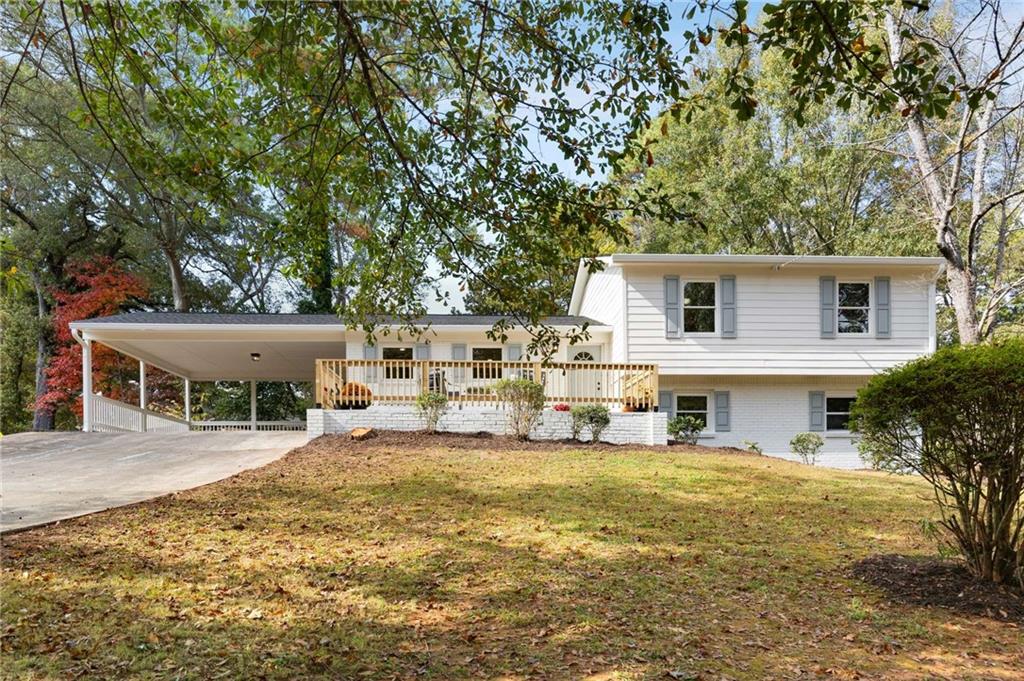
(770,185)
(420,113)
(952,77)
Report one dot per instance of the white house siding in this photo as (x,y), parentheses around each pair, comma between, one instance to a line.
(770,410)
(442,340)
(778,327)
(603,301)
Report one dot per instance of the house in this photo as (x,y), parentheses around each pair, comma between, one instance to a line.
(759,348)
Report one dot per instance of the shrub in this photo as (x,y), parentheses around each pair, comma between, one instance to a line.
(562,406)
(753,447)
(524,401)
(685,429)
(807,445)
(592,416)
(431,406)
(957,419)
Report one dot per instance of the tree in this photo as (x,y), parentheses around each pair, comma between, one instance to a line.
(101,288)
(969,444)
(406,125)
(768,184)
(951,76)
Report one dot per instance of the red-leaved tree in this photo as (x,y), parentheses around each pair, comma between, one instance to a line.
(101,288)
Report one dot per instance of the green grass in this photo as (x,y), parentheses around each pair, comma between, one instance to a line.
(377,561)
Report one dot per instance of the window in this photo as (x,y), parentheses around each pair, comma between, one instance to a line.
(397,371)
(837,413)
(693,405)
(583,356)
(486,355)
(854,309)
(699,307)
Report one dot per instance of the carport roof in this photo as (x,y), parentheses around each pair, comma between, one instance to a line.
(258,319)
(207,346)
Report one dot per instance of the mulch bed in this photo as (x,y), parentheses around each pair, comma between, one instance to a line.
(498,443)
(918,580)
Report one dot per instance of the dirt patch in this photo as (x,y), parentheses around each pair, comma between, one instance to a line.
(918,580)
(421,439)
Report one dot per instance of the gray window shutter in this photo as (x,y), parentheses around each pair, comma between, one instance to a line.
(514,352)
(665,402)
(883,308)
(673,310)
(727,289)
(722,411)
(423,351)
(370,352)
(828,307)
(817,400)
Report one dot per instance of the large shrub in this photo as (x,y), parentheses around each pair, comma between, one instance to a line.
(524,401)
(957,419)
(431,407)
(594,417)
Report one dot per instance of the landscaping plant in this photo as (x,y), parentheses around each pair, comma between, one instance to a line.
(524,401)
(431,406)
(685,429)
(594,417)
(807,445)
(956,418)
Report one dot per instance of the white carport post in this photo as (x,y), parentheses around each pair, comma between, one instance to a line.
(86,383)
(252,406)
(188,402)
(142,393)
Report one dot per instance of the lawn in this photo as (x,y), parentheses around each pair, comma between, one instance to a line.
(413,557)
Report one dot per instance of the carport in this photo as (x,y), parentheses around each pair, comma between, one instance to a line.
(204,347)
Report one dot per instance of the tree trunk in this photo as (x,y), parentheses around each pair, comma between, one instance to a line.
(177,280)
(42,419)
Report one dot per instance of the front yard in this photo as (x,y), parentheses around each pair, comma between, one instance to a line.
(413,557)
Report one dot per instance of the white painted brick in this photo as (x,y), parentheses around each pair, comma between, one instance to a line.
(632,428)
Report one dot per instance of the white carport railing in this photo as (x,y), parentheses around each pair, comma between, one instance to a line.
(247,425)
(111,416)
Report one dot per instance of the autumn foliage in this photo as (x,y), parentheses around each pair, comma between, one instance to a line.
(100,287)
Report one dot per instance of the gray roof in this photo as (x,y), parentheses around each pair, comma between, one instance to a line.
(314,319)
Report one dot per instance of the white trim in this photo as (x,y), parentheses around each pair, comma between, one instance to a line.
(683,333)
(842,395)
(709,397)
(933,340)
(780,260)
(870,333)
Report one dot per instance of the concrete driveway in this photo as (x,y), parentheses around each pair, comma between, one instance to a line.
(52,476)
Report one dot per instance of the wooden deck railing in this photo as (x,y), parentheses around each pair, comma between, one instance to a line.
(111,416)
(343,383)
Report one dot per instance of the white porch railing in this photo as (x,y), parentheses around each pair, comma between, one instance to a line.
(111,416)
(207,426)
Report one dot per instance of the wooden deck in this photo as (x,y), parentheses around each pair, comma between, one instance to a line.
(343,383)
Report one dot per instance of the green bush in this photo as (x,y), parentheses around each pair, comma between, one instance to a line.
(431,406)
(807,445)
(957,419)
(524,401)
(685,429)
(594,417)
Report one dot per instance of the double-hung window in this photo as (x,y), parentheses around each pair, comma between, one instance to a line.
(837,413)
(693,405)
(699,307)
(854,307)
(397,353)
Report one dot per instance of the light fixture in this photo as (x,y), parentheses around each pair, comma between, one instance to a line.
(255,356)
